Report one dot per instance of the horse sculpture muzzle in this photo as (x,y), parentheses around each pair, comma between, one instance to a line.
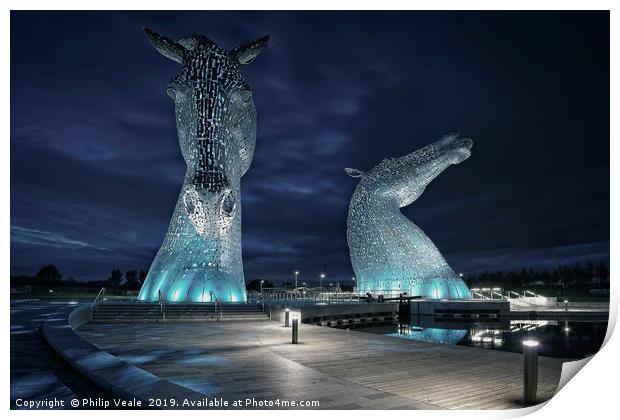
(203,206)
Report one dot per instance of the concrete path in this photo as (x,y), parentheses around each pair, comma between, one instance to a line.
(37,373)
(339,369)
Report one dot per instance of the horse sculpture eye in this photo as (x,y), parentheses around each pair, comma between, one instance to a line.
(172,92)
(245,95)
(228,204)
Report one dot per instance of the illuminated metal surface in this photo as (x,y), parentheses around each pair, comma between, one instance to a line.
(216,126)
(389,253)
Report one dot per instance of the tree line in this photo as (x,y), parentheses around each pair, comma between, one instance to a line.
(587,275)
(50,275)
(578,275)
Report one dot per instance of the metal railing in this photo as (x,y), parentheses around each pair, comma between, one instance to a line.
(329,295)
(499,293)
(95,305)
(162,306)
(215,301)
(303,294)
(488,293)
(477,295)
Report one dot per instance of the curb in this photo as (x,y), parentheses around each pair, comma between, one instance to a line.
(110,373)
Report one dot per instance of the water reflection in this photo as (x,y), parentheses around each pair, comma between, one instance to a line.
(430,335)
(558,338)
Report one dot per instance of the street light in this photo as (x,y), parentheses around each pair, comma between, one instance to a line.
(261,286)
(322,276)
(296,274)
(530,370)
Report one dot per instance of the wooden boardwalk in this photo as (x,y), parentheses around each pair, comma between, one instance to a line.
(340,369)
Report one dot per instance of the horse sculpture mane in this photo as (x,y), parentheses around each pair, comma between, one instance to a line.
(200,258)
(389,253)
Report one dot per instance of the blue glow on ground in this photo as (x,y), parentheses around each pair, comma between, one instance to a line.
(199,385)
(134,359)
(205,360)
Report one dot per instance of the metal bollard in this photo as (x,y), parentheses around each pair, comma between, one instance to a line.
(295,330)
(530,371)
(287,313)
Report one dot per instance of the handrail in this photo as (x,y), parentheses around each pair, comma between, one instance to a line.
(480,295)
(95,305)
(162,306)
(213,299)
(215,305)
(100,296)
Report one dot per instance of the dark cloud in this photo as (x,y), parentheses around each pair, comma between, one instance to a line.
(96,168)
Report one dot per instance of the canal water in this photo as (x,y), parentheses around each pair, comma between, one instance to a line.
(557,338)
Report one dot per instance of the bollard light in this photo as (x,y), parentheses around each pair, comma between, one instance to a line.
(287,314)
(565,305)
(530,371)
(295,337)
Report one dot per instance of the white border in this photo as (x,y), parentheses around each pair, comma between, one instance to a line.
(591,394)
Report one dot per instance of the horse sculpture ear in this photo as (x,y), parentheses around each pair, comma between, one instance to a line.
(166,47)
(354,173)
(246,53)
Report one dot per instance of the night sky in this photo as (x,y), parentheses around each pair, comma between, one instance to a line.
(96,167)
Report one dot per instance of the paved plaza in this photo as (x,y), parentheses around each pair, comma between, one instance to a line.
(340,369)
(37,373)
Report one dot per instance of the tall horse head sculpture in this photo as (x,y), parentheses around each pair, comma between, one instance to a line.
(200,258)
(389,253)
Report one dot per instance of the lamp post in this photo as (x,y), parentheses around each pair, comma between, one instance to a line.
(354,285)
(295,332)
(321,277)
(296,274)
(261,287)
(530,370)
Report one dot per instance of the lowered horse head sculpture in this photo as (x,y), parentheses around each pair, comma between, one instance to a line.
(200,258)
(389,253)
